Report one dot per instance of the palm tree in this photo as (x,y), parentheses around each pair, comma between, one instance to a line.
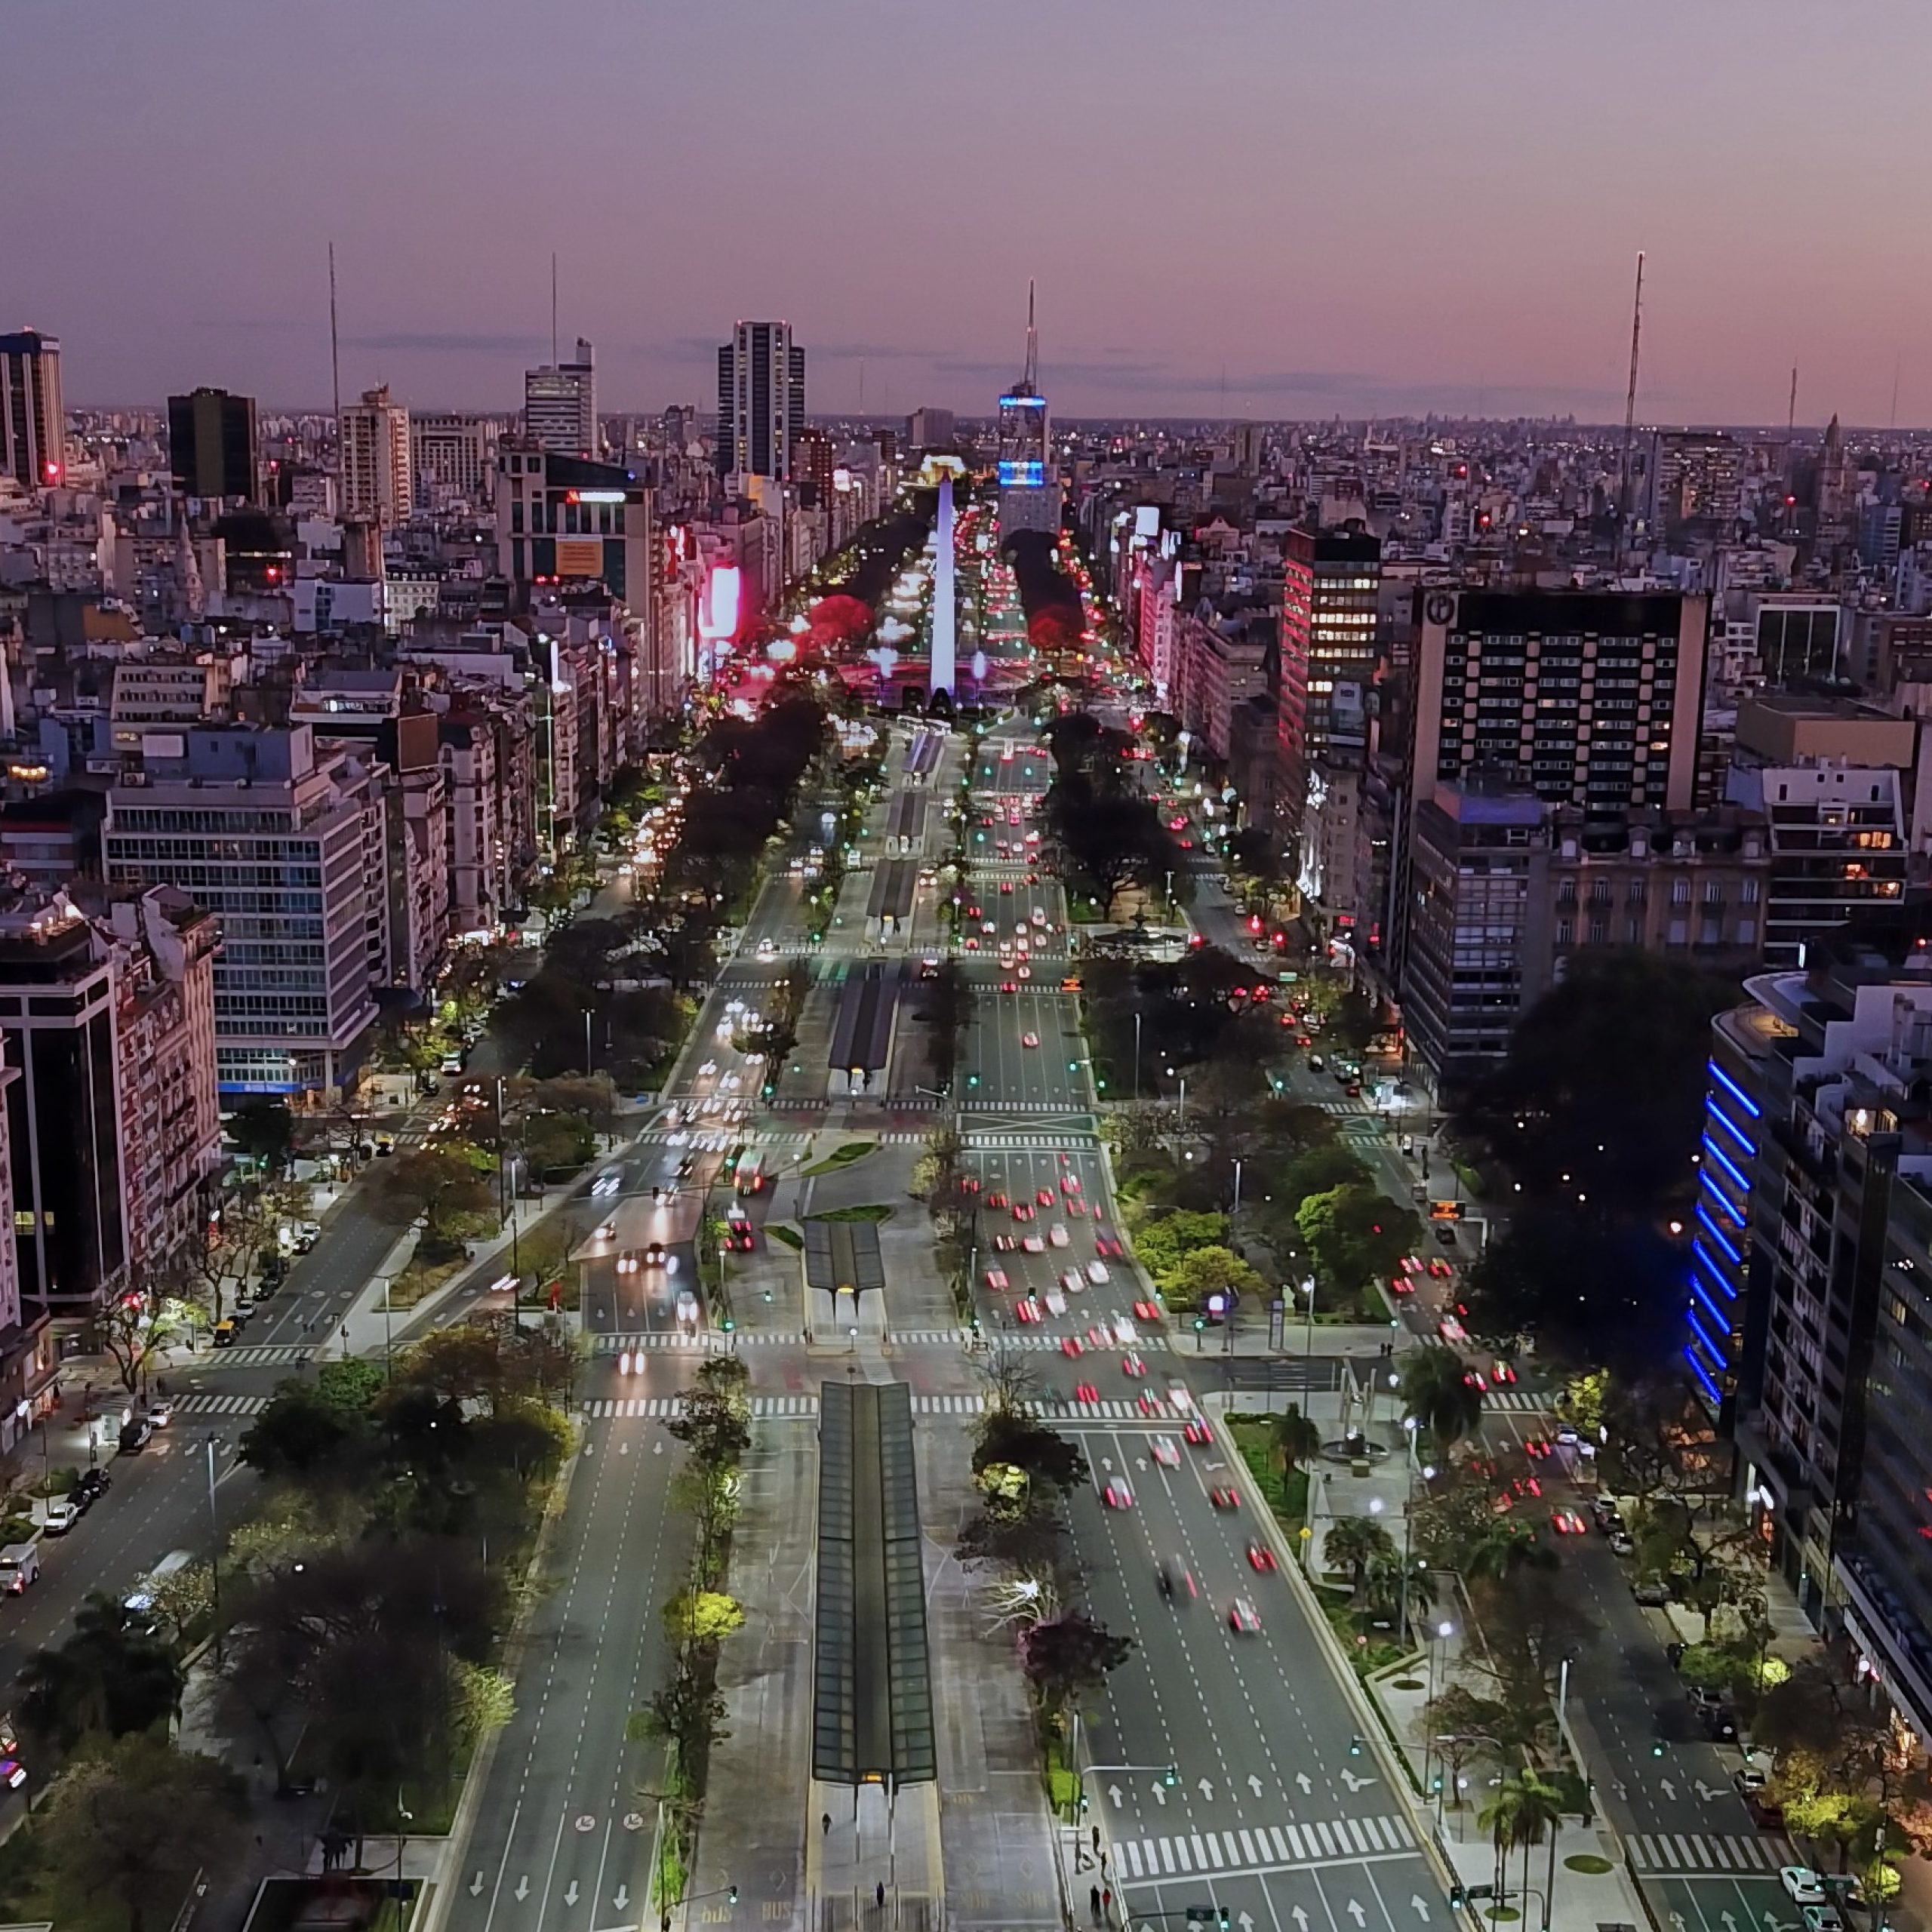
(1293,1441)
(1540,1815)
(1499,1818)
(1436,1396)
(1383,1580)
(1503,1547)
(1353,1543)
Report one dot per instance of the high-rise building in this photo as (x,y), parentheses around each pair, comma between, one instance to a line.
(33,421)
(376,485)
(1696,478)
(211,445)
(453,454)
(560,405)
(930,428)
(1028,486)
(560,519)
(761,401)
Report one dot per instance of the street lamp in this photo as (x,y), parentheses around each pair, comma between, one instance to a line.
(1308,1341)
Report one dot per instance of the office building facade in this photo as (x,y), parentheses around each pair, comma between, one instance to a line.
(212,447)
(761,401)
(376,476)
(452,455)
(562,520)
(33,419)
(560,405)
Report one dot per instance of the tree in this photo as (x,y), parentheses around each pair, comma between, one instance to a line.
(263,1130)
(1069,1655)
(1293,1439)
(703,1617)
(301,1433)
(135,1327)
(1502,1547)
(1356,1234)
(1011,1438)
(1028,1542)
(1438,1396)
(1208,1272)
(447,1188)
(131,1827)
(1161,1241)
(109,1679)
(715,1427)
(1352,1543)
(1390,1582)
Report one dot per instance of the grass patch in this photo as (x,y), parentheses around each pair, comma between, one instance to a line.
(1588,1863)
(872,1210)
(420,1279)
(790,1237)
(841,1157)
(1288,1499)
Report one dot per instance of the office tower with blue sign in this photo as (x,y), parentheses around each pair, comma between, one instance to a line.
(1029,489)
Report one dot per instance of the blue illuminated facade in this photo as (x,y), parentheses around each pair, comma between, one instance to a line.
(1721,1237)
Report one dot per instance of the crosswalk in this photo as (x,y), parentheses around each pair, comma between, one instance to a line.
(1692,1852)
(207,1403)
(268,1354)
(704,1341)
(1516,1401)
(779,1408)
(1259,1848)
(1030,1339)
(978,1141)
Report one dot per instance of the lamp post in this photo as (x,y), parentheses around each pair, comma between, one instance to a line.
(214,1550)
(1308,1338)
(1136,1056)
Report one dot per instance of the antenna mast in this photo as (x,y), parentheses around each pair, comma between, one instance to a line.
(553,309)
(1032,381)
(1630,404)
(335,351)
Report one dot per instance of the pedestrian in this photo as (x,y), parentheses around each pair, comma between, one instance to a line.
(1097,1837)
(1107,1903)
(878,1895)
(1093,1902)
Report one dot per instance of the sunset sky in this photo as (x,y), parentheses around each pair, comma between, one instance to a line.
(1254,208)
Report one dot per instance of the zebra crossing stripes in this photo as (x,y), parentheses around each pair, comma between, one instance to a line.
(1693,1852)
(1516,1401)
(668,1408)
(1029,1339)
(208,1403)
(267,1355)
(979,1141)
(930,1338)
(700,1342)
(1260,1847)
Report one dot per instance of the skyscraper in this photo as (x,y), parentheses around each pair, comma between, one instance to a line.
(211,445)
(761,401)
(1028,490)
(376,485)
(560,405)
(33,423)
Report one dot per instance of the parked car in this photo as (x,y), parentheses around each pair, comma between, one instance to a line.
(134,1434)
(93,1484)
(19,1565)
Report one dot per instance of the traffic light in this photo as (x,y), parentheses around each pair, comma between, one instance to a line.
(1457,1896)
(1221,1913)
(731,1894)
(972,1079)
(729,1324)
(1355,1744)
(1172,1777)
(1657,1747)
(1199,1323)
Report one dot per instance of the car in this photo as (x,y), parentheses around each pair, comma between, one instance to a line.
(243,1308)
(997,1198)
(1438,1267)
(1056,1302)
(1315,1062)
(628,1262)
(1502,1373)
(687,1308)
(134,1434)
(1033,1245)
(1445,1232)
(222,1335)
(1006,885)
(1821,1918)
(1166,1452)
(1072,1345)
(1023,1211)
(988,926)
(1132,1365)
(1107,1244)
(1535,1447)
(1653,1592)
(1147,1311)
(1148,1403)
(1620,1544)
(1026,1309)
(1096,1273)
(1069,1183)
(1058,1234)
(1009,985)
(1260,1557)
(1719,1722)
(1085,1391)
(1242,1616)
(1076,1208)
(1401,1284)
(1030,1039)
(1450,1330)
(161,1413)
(1004,1244)
(93,1484)
(1118,1495)
(1044,1197)
(1225,1498)
(1177,1580)
(996,1280)
(1181,1396)
(1567,1523)
(1802,1885)
(1197,1433)
(1073,1280)
(1473,1379)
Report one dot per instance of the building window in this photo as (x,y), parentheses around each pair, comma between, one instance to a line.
(1747,892)
(1599,931)
(1564,932)
(1680,892)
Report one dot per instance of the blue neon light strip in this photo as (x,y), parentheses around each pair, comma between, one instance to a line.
(1718,1235)
(1713,1111)
(1717,1314)
(1716,1354)
(1710,1387)
(1731,1087)
(1724,1161)
(1717,1274)
(1711,1195)
(1022,474)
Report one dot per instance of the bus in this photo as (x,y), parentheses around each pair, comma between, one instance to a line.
(749,1177)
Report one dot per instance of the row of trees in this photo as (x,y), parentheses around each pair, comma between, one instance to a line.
(686,1710)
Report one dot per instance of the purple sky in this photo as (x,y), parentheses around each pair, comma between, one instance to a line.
(1270,208)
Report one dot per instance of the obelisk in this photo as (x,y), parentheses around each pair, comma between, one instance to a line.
(943,671)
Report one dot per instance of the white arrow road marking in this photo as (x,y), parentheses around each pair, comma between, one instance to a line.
(1301,1779)
(1254,1784)
(1107,1462)
(657,1447)
(1356,1911)
(1246,1922)
(1299,1917)
(1669,1790)
(1677,1920)
(1206,1790)
(1421,1904)
(1704,1791)
(476,1885)
(1728,1921)
(623,1448)
(1161,1793)
(522,1887)
(590,1448)
(1354,1783)
(570,1893)
(1622,1789)
(623,1897)
(1114,1792)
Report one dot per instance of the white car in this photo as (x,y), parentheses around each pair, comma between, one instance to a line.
(161,1414)
(1181,1396)
(1123,1328)
(1033,1245)
(1071,1281)
(1165,1453)
(1803,1886)
(1117,1495)
(1056,1302)
(604,1186)
(1096,1273)
(1058,1234)
(687,1308)
(707,1070)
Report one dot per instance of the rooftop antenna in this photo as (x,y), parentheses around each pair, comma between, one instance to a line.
(1630,403)
(1031,383)
(1897,357)
(861,385)
(553,309)
(1791,411)
(335,350)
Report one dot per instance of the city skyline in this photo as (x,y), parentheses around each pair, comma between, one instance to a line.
(1280,218)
